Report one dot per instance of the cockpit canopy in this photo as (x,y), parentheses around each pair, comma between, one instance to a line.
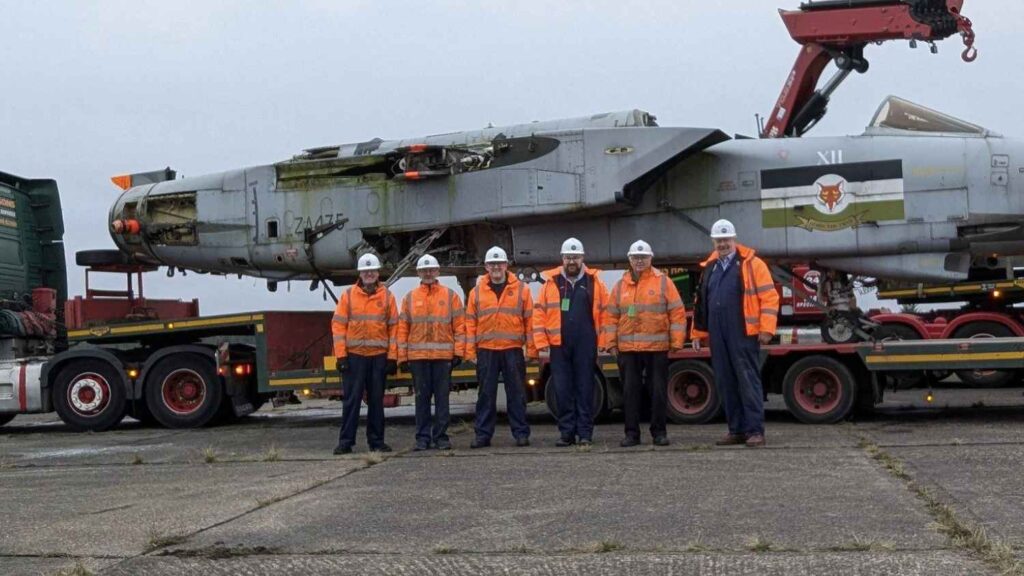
(905,116)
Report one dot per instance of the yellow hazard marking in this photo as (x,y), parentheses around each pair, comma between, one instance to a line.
(918,358)
(949,289)
(175,325)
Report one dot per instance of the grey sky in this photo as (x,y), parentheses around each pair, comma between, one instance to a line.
(95,89)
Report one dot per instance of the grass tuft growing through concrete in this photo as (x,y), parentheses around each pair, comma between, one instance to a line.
(605,546)
(962,534)
(271,454)
(760,544)
(158,540)
(209,455)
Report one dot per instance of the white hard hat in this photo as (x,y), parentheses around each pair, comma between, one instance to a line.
(640,248)
(572,246)
(723,229)
(427,261)
(495,254)
(369,262)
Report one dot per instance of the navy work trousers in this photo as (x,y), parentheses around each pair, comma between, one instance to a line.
(431,379)
(365,374)
(633,367)
(510,366)
(572,373)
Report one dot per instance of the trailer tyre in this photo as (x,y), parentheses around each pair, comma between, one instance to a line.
(89,395)
(984,378)
(5,418)
(598,409)
(819,390)
(184,391)
(692,396)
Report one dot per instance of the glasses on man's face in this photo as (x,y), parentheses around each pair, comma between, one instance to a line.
(639,258)
(572,258)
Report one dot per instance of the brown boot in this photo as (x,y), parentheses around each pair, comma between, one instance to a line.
(732,440)
(755,441)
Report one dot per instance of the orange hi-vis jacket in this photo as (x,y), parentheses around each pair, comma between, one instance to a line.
(646,315)
(431,325)
(494,323)
(760,299)
(366,324)
(547,313)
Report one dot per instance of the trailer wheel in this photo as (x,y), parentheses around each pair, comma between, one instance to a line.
(901,332)
(184,391)
(5,418)
(692,396)
(840,328)
(984,378)
(598,409)
(819,390)
(89,394)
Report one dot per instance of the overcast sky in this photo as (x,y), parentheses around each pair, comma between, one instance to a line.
(96,89)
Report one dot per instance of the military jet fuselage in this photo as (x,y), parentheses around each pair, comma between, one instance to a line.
(918,196)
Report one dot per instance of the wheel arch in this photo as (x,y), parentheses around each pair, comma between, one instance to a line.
(973,317)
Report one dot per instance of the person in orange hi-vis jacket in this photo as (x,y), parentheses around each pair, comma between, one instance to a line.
(431,342)
(646,320)
(568,320)
(736,309)
(499,323)
(365,328)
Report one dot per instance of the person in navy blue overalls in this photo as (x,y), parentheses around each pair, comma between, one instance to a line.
(570,309)
(736,308)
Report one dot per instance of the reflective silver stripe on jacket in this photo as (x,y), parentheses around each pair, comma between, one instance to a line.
(644,338)
(378,343)
(431,346)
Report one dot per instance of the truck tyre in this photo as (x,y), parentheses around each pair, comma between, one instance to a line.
(819,390)
(692,396)
(184,391)
(598,409)
(902,379)
(101,258)
(5,418)
(984,378)
(89,394)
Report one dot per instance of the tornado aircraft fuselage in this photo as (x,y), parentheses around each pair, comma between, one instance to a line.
(919,196)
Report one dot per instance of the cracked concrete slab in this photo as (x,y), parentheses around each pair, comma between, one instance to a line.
(118,511)
(649,501)
(983,483)
(773,564)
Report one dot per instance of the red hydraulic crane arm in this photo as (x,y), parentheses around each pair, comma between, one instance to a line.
(838,30)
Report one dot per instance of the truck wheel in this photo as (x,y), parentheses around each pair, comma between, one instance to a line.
(984,378)
(900,332)
(819,390)
(598,409)
(184,391)
(692,396)
(89,394)
(5,418)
